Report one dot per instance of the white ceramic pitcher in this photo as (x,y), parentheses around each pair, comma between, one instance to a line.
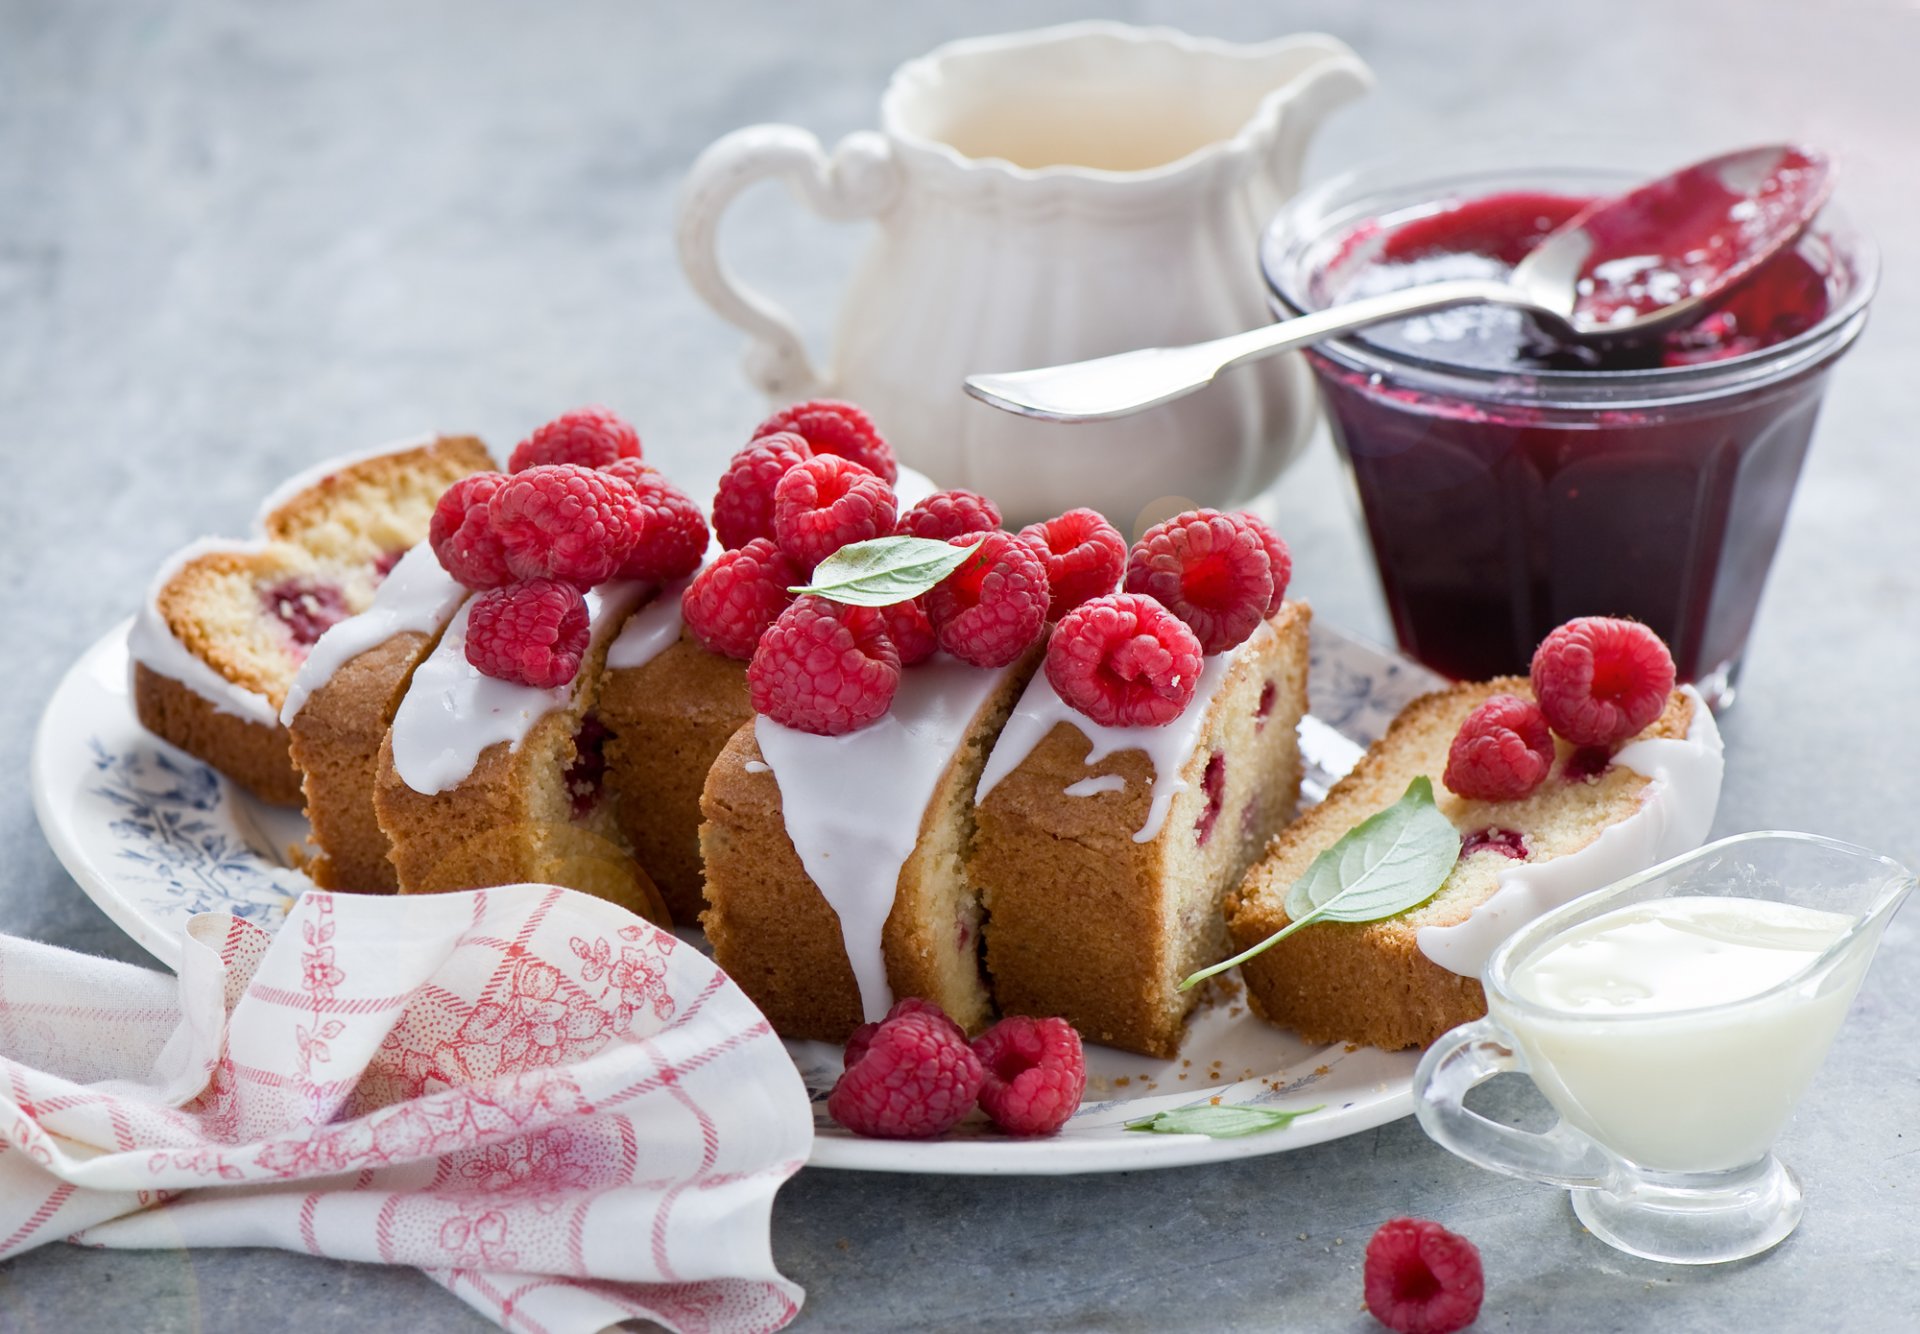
(1042,197)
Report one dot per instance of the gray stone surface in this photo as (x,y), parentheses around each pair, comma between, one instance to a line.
(235,238)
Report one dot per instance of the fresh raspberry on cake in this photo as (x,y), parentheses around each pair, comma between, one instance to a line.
(743,506)
(862,1037)
(914,1077)
(946,514)
(533,633)
(911,631)
(730,604)
(589,437)
(991,610)
(1124,661)
(827,502)
(1423,1279)
(671,532)
(562,521)
(1599,679)
(831,427)
(1085,556)
(462,536)
(1279,559)
(824,667)
(1209,569)
(1502,751)
(1035,1074)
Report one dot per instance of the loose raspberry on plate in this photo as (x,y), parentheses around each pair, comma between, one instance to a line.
(990,610)
(912,1077)
(1085,556)
(911,631)
(1035,1074)
(671,532)
(743,506)
(590,437)
(1423,1279)
(1279,559)
(730,604)
(1209,569)
(462,537)
(862,1037)
(946,514)
(824,667)
(532,633)
(1502,751)
(1124,661)
(1599,680)
(562,521)
(831,427)
(826,502)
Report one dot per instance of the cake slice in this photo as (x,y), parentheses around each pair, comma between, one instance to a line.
(1403,981)
(1104,853)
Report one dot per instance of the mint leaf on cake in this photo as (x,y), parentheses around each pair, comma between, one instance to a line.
(884,570)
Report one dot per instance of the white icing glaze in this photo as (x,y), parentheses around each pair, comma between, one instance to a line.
(153,644)
(758,767)
(853,803)
(1675,814)
(1040,709)
(452,712)
(911,487)
(319,472)
(1093,787)
(417,595)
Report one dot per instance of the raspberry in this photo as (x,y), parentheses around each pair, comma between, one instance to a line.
(562,521)
(1599,680)
(1502,751)
(912,1077)
(729,605)
(830,427)
(1035,1074)
(532,633)
(671,532)
(1124,661)
(1423,1279)
(827,502)
(946,514)
(1085,557)
(462,538)
(824,668)
(910,631)
(743,506)
(990,610)
(1279,559)
(589,437)
(1209,569)
(862,1037)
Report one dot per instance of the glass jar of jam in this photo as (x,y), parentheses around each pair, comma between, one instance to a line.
(1509,484)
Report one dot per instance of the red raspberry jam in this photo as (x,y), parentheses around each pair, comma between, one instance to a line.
(306,609)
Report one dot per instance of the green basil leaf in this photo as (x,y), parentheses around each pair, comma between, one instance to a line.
(885,570)
(1219,1122)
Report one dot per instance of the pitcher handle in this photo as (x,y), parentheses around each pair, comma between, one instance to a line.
(860,180)
(1469,1056)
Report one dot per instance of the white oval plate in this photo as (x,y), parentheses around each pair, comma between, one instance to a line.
(154,836)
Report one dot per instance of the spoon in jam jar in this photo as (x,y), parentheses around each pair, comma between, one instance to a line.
(1639,264)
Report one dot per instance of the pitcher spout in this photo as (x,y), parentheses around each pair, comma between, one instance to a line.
(1311,76)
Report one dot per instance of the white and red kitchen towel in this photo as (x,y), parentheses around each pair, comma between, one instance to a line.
(562,1113)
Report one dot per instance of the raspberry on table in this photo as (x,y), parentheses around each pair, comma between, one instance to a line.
(1279,559)
(827,502)
(1209,569)
(1085,556)
(1502,751)
(913,1076)
(1422,1279)
(743,506)
(671,533)
(862,1037)
(833,427)
(533,633)
(463,538)
(1035,1072)
(990,610)
(730,604)
(590,437)
(824,667)
(1600,679)
(1124,661)
(562,521)
(911,631)
(947,514)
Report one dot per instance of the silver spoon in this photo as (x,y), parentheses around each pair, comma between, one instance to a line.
(1631,266)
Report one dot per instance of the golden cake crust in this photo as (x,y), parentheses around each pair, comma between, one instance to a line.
(374,506)
(251,754)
